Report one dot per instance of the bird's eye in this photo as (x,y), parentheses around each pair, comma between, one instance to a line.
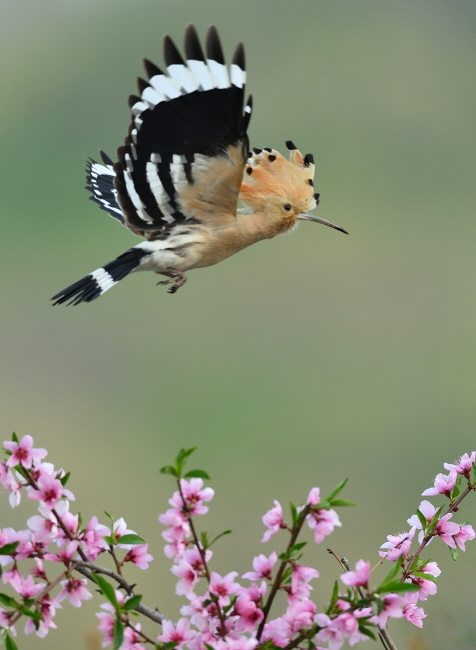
(287,207)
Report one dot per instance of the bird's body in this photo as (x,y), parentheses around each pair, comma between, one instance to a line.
(184,167)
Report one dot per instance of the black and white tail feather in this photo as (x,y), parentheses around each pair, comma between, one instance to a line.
(184,123)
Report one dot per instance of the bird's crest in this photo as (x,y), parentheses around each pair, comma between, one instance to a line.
(268,173)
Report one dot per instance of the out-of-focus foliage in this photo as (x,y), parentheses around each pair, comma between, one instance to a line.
(312,355)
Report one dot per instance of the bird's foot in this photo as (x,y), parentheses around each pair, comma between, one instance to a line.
(176,279)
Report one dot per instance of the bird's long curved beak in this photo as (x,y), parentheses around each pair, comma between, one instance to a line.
(305,216)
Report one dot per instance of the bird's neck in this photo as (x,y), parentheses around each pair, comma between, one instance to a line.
(260,225)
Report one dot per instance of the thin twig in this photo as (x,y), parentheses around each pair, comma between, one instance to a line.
(85,569)
(383,634)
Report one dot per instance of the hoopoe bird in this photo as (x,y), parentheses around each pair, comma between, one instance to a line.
(185,166)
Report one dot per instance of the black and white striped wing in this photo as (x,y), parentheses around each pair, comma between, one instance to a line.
(100,182)
(188,127)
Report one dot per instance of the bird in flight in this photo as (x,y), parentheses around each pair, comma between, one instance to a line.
(184,167)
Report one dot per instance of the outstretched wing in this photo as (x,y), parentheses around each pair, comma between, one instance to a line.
(100,182)
(185,153)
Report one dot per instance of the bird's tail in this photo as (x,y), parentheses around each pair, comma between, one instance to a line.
(96,283)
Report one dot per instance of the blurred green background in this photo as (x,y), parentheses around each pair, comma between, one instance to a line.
(301,360)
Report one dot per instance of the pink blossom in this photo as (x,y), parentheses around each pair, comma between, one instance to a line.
(463,466)
(323,523)
(139,556)
(119,529)
(241,643)
(6,620)
(189,570)
(23,452)
(278,631)
(443,484)
(358,578)
(47,607)
(427,588)
(93,538)
(70,522)
(26,587)
(314,496)
(176,534)
(446,530)
(108,618)
(132,638)
(223,587)
(193,557)
(247,606)
(11,485)
(196,611)
(414,614)
(392,608)
(179,634)
(300,614)
(302,575)
(300,589)
(344,626)
(38,571)
(106,627)
(330,634)
(465,534)
(397,545)
(273,520)
(44,527)
(194,496)
(65,555)
(75,590)
(188,578)
(263,567)
(428,510)
(50,491)
(11,575)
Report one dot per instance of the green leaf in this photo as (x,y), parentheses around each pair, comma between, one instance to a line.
(15,437)
(422,519)
(397,587)
(110,518)
(132,602)
(339,503)
(65,478)
(296,548)
(197,473)
(454,553)
(9,549)
(435,519)
(168,469)
(286,577)
(8,601)
(32,614)
(334,597)
(10,643)
(390,576)
(118,634)
(294,513)
(365,630)
(336,491)
(415,561)
(184,454)
(130,539)
(424,575)
(225,532)
(182,459)
(106,589)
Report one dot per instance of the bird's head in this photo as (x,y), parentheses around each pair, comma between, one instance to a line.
(281,190)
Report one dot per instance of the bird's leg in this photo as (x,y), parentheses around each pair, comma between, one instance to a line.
(177,279)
